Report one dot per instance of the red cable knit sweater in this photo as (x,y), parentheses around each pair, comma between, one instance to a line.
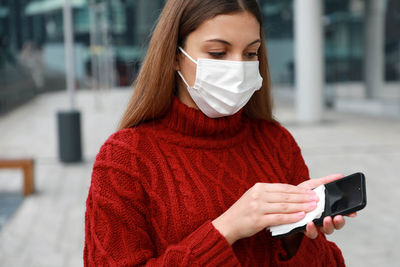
(156,188)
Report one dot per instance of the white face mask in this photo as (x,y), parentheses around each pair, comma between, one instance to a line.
(223,87)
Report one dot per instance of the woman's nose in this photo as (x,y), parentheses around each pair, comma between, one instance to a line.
(237,57)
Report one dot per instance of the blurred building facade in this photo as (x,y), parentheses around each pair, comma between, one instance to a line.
(111,37)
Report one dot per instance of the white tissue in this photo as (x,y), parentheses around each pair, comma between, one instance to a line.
(314,214)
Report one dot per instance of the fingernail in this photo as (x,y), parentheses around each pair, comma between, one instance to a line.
(314,198)
(300,214)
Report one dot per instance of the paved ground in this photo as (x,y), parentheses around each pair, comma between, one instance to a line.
(47,229)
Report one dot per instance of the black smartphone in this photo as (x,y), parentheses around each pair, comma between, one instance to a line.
(342,197)
(346,195)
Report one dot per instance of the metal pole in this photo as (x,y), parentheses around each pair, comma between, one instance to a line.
(374,47)
(69,52)
(69,122)
(309,60)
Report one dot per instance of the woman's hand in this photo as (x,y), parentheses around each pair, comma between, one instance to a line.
(265,205)
(329,224)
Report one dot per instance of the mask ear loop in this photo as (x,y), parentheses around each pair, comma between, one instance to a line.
(183,79)
(187,55)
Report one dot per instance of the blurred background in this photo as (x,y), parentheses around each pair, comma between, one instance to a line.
(336,82)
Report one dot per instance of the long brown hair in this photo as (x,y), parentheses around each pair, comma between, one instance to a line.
(156,81)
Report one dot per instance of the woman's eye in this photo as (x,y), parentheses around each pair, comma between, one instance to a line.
(217,54)
(252,55)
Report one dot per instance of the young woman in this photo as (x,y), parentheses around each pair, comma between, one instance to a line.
(199,168)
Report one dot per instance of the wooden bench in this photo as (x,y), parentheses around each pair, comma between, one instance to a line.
(27,166)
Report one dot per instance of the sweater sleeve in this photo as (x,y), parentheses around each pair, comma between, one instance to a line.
(117,221)
(311,252)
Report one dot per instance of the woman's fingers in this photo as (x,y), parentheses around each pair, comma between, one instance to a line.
(339,222)
(283,188)
(278,219)
(282,199)
(313,183)
(328,226)
(352,215)
(285,208)
(311,231)
(278,197)
(333,224)
(269,199)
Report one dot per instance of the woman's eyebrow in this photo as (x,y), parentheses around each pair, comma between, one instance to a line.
(254,42)
(219,41)
(228,43)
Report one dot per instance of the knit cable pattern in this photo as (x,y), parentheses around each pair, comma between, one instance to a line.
(156,188)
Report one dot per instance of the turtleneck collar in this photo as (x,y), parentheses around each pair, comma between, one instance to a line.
(192,122)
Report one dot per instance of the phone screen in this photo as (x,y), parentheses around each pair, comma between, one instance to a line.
(346,195)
